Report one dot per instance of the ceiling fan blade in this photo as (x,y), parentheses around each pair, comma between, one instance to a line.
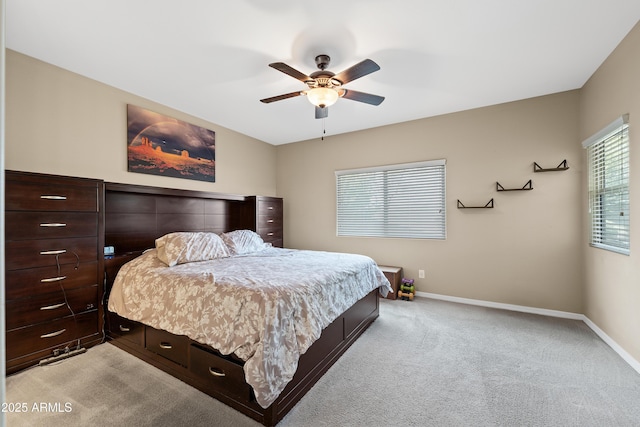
(281,97)
(281,66)
(367,98)
(360,69)
(322,113)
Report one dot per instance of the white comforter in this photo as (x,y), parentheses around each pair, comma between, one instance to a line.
(266,308)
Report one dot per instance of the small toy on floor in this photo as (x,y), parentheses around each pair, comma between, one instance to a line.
(407,289)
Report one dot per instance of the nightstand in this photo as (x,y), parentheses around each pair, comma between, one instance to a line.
(394,276)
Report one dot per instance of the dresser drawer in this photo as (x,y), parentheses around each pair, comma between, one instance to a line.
(45,307)
(119,327)
(269,206)
(222,374)
(270,231)
(172,347)
(267,222)
(50,225)
(38,337)
(50,195)
(43,280)
(48,252)
(274,237)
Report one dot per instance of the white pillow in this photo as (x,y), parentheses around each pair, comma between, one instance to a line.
(183,247)
(244,242)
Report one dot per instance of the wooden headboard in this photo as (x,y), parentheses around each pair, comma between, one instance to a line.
(135,216)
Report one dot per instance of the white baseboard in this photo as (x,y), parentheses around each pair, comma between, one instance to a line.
(512,307)
(614,345)
(543,312)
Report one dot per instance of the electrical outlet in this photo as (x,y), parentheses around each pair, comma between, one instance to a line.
(420,274)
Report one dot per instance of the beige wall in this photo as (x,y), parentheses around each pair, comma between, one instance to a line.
(525,251)
(61,123)
(612,281)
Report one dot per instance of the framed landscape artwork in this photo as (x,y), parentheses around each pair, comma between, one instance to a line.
(161,145)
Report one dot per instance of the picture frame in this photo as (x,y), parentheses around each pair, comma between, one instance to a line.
(165,146)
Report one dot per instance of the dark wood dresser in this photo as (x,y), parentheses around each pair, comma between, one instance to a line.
(54,266)
(264,215)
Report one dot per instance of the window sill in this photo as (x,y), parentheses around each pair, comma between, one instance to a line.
(611,248)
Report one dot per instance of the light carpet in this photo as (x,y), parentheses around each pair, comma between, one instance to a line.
(422,363)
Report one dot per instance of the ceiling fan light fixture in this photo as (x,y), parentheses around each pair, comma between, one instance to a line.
(325,87)
(322,96)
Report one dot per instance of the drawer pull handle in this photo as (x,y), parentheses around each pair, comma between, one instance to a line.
(53,279)
(53,334)
(53,224)
(53,307)
(269,234)
(56,252)
(53,197)
(166,346)
(124,328)
(270,221)
(216,372)
(270,208)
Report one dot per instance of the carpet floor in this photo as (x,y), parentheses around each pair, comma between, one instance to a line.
(422,363)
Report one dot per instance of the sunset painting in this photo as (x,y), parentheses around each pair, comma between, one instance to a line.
(160,145)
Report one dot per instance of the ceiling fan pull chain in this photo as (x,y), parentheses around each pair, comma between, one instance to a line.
(324,130)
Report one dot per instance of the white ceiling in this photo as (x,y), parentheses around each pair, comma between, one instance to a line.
(208,58)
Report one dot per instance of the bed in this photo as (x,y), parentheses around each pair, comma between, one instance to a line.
(252,325)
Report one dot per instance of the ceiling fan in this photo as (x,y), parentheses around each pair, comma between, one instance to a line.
(325,87)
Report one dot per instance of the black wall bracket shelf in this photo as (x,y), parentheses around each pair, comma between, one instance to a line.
(561,167)
(489,205)
(527,186)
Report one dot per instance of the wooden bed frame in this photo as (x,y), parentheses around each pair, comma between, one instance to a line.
(134,217)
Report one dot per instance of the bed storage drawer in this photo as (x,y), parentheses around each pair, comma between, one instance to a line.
(222,374)
(172,347)
(359,312)
(119,327)
(331,337)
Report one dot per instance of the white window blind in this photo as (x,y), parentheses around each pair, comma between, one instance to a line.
(406,200)
(608,163)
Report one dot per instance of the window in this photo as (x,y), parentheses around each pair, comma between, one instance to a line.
(406,200)
(608,163)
